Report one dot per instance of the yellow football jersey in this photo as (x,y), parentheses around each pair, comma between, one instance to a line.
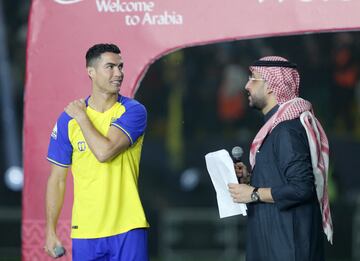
(106,198)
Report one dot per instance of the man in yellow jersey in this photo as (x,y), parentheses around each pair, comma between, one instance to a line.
(101,138)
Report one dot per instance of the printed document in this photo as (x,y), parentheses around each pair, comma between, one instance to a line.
(221,170)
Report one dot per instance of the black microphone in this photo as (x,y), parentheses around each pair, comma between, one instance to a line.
(237,153)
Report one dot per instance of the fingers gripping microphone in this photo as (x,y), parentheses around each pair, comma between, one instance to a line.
(237,153)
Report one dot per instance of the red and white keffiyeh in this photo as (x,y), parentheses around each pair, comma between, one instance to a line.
(284,82)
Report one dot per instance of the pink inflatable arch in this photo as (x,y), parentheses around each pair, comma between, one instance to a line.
(60,32)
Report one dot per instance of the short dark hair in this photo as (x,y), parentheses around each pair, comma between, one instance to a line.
(97,50)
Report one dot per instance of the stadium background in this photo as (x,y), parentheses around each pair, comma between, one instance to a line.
(188,94)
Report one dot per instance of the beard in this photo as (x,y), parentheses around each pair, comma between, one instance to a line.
(257,103)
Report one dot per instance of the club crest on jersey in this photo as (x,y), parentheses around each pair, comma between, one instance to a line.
(54,132)
(81,145)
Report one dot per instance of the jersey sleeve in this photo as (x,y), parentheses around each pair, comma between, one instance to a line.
(60,149)
(133,121)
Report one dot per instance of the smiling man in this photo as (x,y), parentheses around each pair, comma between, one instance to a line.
(100,138)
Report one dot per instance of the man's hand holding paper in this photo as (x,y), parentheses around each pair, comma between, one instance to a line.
(222,173)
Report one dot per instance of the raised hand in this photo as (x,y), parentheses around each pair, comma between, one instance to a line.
(76,109)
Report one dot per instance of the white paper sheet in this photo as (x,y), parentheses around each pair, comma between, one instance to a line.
(221,170)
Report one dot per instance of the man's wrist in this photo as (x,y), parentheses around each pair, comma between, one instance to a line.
(265,195)
(50,230)
(255,195)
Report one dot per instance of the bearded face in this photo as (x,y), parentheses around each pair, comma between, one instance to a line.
(257,91)
(281,76)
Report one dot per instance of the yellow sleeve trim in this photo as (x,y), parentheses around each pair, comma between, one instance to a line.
(57,163)
(127,134)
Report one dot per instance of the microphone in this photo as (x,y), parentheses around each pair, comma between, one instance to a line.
(237,153)
(59,251)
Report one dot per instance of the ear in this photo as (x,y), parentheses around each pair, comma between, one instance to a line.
(90,71)
(268,91)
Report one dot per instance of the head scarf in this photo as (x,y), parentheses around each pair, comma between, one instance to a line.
(280,75)
(283,79)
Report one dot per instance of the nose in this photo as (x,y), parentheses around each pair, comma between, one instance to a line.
(118,71)
(247,86)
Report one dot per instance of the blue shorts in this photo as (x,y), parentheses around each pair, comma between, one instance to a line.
(129,246)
